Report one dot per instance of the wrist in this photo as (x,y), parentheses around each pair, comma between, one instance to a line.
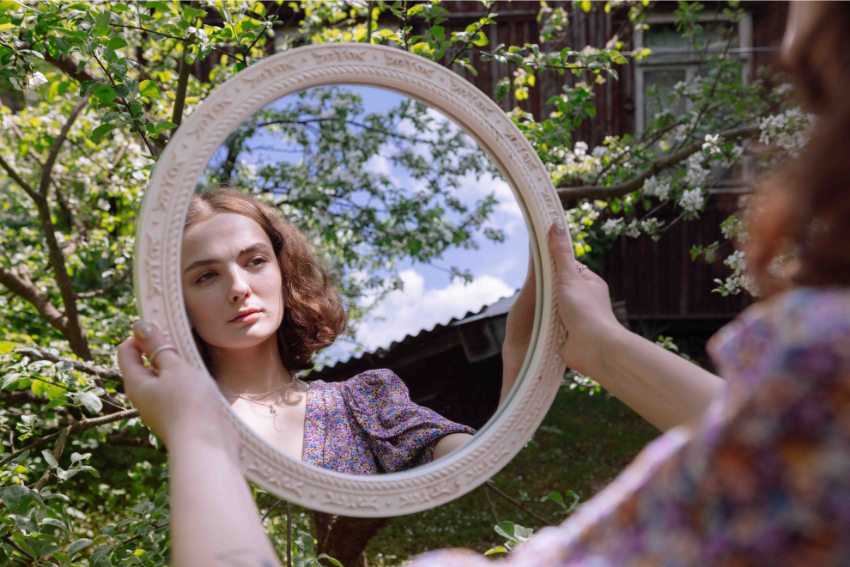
(206,435)
(591,353)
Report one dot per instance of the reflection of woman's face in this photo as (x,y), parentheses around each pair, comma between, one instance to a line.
(229,267)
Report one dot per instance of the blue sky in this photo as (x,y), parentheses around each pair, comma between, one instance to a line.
(429,296)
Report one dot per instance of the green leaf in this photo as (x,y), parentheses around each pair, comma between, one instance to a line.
(78,546)
(55,523)
(555,496)
(116,43)
(101,24)
(149,89)
(6,347)
(39,387)
(51,460)
(161,6)
(497,549)
(481,40)
(58,399)
(505,529)
(17,498)
(586,5)
(101,131)
(190,14)
(122,90)
(88,86)
(100,556)
(105,94)
(329,558)
(164,125)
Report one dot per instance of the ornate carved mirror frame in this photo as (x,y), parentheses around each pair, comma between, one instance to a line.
(159,292)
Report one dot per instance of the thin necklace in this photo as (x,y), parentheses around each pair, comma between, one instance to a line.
(247,397)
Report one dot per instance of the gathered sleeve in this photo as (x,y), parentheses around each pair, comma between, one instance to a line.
(401,434)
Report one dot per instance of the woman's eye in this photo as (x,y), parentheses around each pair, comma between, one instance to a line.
(203,276)
(261,260)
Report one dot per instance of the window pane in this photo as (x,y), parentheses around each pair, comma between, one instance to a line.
(661,37)
(657,87)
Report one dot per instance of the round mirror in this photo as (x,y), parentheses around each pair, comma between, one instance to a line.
(359,230)
(337,236)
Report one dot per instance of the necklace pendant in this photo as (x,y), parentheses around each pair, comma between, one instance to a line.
(271,409)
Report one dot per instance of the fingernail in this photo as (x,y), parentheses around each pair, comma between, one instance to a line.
(560,229)
(142,329)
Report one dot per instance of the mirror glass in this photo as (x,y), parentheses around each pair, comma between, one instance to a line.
(349,259)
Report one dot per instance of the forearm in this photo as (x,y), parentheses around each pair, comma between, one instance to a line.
(214,520)
(664,388)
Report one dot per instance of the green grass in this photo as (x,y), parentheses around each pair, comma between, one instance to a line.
(584,442)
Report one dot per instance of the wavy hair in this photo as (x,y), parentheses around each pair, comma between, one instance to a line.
(314,315)
(803,211)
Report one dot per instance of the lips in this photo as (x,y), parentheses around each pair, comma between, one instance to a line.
(244,315)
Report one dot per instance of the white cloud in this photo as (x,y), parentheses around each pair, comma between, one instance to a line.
(408,311)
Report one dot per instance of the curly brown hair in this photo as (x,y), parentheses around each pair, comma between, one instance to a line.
(804,209)
(314,314)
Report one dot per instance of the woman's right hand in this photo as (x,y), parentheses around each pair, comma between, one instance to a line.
(584,306)
(178,402)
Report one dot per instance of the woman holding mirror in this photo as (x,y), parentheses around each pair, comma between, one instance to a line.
(753,471)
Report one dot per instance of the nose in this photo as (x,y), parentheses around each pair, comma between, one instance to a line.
(239,288)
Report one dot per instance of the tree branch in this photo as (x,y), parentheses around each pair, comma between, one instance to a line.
(9,541)
(27,291)
(110,287)
(18,179)
(569,194)
(38,353)
(68,65)
(75,428)
(516,503)
(56,147)
(57,452)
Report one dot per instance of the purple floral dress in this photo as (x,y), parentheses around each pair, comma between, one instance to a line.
(368,425)
(763,481)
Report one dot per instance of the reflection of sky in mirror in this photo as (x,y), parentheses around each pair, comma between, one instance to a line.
(429,296)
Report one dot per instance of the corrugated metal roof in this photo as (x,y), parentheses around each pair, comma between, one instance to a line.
(500,307)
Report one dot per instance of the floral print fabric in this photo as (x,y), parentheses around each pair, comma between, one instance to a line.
(763,480)
(368,425)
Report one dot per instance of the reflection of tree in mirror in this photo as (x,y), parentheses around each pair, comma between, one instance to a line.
(327,166)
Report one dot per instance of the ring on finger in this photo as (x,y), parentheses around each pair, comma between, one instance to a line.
(157,350)
(581,267)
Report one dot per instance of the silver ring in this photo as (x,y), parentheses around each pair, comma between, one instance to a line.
(581,267)
(152,356)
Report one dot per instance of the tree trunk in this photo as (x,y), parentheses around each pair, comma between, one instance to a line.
(345,538)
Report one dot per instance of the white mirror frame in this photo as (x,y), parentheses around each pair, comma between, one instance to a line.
(159,293)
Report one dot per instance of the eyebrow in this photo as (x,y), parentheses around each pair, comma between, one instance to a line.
(256,247)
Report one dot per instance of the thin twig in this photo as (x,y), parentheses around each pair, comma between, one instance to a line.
(75,428)
(8,540)
(288,534)
(490,501)
(270,510)
(57,453)
(518,504)
(80,366)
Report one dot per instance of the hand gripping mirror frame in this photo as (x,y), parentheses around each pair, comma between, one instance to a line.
(159,291)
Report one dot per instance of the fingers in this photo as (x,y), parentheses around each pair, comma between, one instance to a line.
(148,338)
(562,253)
(132,366)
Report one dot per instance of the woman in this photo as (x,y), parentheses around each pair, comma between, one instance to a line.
(260,305)
(754,470)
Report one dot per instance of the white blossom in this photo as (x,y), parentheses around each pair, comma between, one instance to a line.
(35,81)
(613,226)
(692,201)
(654,187)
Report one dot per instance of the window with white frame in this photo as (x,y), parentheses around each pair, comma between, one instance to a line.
(676,59)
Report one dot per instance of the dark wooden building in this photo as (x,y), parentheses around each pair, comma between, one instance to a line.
(657,286)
